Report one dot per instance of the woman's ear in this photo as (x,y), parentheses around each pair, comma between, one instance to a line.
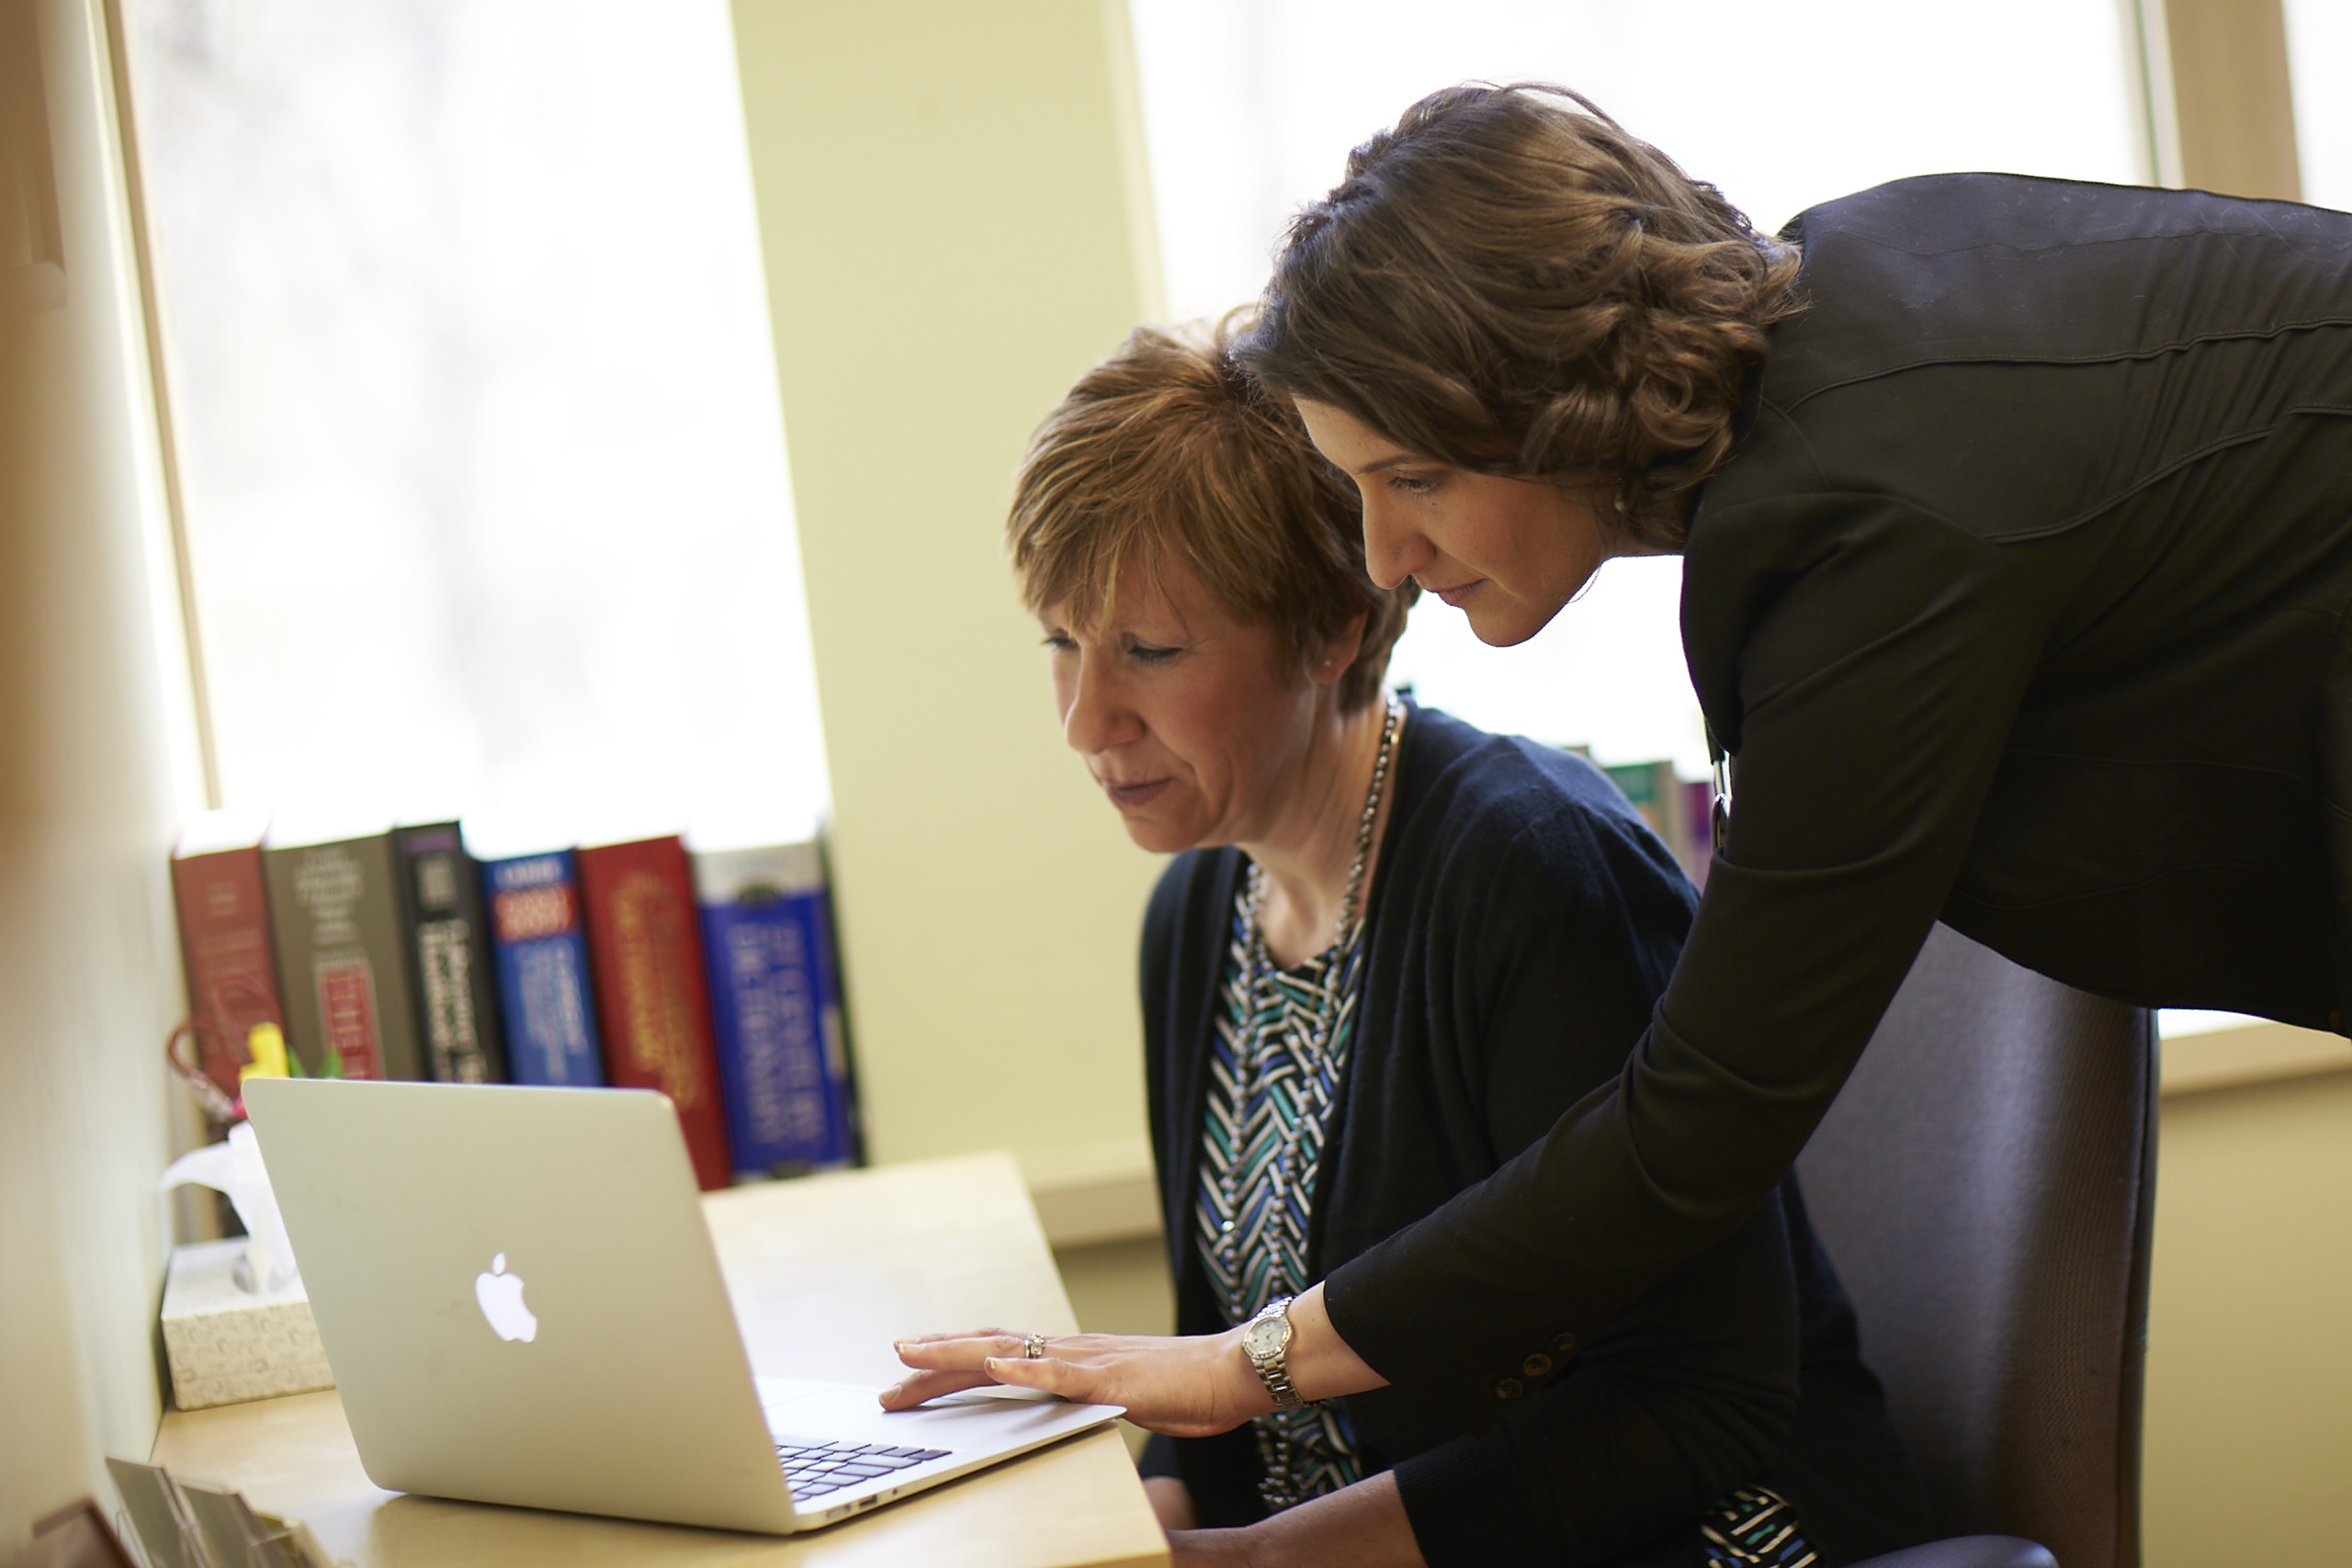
(1340,653)
(1610,509)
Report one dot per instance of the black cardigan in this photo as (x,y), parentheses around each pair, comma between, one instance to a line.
(2022,604)
(1521,921)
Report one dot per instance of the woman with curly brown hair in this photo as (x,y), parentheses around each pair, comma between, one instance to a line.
(2017,526)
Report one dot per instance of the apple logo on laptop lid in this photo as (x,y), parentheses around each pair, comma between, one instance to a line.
(500,1296)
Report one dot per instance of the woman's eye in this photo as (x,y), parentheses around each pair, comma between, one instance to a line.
(1412,484)
(1143,653)
(1060,642)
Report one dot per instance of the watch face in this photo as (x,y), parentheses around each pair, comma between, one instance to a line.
(1266,1336)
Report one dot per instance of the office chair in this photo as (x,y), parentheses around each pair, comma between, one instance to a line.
(1985,1186)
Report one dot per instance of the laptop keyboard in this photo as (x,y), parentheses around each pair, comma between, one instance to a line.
(814,1467)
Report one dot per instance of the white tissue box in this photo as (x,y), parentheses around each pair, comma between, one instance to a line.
(225,1345)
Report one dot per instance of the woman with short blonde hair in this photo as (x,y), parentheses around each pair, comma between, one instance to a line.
(1164,452)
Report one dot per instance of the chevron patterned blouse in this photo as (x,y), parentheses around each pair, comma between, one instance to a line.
(1272,1086)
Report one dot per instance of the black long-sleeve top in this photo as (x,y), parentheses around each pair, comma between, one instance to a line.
(2022,604)
(1521,923)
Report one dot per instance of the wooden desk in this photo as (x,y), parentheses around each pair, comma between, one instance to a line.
(824,1273)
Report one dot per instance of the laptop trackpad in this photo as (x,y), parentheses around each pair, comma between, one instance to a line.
(978,1420)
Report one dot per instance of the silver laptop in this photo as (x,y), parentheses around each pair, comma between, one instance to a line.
(518,1294)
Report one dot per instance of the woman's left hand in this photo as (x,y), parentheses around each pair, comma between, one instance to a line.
(1191,1387)
(1363,1526)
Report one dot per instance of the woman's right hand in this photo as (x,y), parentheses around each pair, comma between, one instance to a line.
(1194,1386)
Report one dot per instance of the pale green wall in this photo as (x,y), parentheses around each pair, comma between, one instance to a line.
(2249,1434)
(952,233)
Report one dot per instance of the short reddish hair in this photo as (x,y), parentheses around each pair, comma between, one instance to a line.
(1166,451)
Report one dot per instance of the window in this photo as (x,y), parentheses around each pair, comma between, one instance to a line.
(1250,107)
(467,347)
(2319,46)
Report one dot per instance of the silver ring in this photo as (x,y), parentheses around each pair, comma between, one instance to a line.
(1033,1346)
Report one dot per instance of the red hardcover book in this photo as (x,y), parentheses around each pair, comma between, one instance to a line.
(224,941)
(645,951)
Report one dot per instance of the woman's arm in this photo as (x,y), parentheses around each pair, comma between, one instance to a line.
(1363,1526)
(1194,1386)
(1572,927)
(1171,1502)
(1877,688)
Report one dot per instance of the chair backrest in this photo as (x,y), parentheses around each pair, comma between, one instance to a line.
(1985,1186)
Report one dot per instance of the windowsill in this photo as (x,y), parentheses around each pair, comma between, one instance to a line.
(2250,1054)
(1104,1192)
(1094,1194)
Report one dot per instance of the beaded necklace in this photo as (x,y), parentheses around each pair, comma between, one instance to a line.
(1303,1053)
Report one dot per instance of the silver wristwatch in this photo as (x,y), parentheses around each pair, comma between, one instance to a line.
(1266,1341)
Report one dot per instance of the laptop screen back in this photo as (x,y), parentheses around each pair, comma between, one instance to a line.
(519,1297)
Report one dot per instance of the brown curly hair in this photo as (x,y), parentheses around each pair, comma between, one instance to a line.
(1510,284)
(1167,451)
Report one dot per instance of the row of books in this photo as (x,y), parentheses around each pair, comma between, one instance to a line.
(709,977)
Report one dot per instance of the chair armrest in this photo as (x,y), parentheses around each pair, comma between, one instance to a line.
(1967,1551)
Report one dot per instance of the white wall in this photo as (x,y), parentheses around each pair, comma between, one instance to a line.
(89,977)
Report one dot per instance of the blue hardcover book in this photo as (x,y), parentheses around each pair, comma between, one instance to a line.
(776,999)
(541,952)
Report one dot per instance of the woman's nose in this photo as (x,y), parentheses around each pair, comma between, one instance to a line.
(1393,548)
(1094,718)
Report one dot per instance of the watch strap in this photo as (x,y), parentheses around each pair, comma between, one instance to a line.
(1274,1367)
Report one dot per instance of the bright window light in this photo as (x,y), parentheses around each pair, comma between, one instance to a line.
(2318,53)
(466,343)
(1250,107)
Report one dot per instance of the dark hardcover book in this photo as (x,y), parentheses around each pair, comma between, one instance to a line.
(342,947)
(650,994)
(776,1006)
(224,942)
(539,945)
(449,934)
